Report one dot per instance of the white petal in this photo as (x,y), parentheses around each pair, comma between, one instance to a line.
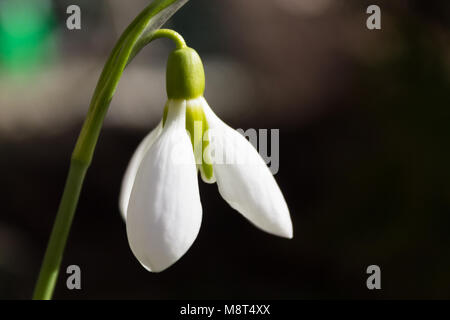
(245,181)
(164,212)
(130,173)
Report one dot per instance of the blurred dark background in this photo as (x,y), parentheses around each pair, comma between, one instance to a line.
(364,158)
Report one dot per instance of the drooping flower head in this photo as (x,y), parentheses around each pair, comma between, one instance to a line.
(160,198)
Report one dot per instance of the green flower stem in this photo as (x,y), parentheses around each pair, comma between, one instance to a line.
(161,33)
(139,33)
(61,227)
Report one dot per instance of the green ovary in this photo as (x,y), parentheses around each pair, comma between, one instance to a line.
(185,77)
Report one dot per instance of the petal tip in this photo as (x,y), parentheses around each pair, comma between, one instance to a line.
(289,235)
(284,232)
(145,267)
(156,266)
(154,270)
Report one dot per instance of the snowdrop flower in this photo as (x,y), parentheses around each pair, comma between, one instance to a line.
(160,198)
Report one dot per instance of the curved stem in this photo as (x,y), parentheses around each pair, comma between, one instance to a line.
(161,33)
(139,33)
(170,34)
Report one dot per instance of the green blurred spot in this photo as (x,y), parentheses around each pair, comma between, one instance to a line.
(26,38)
